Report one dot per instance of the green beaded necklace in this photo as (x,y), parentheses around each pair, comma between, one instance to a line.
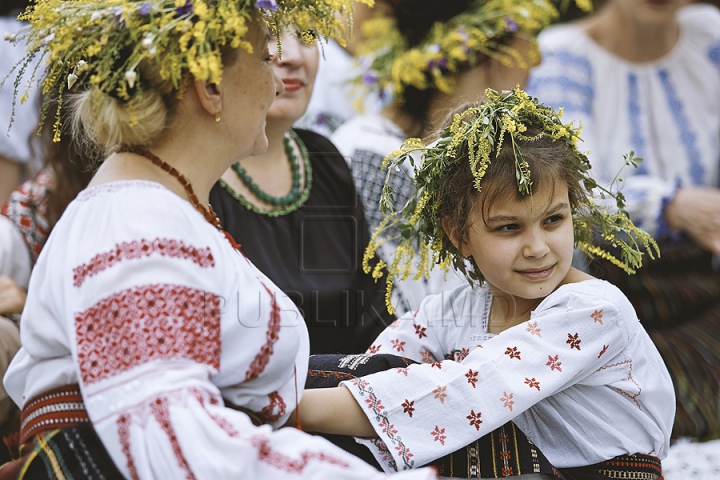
(265,197)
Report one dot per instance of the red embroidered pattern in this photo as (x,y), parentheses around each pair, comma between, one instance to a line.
(161,412)
(404,371)
(604,349)
(533,383)
(513,352)
(146,324)
(440,393)
(597,316)
(426,356)
(124,434)
(276,401)
(408,407)
(437,365)
(398,345)
(288,464)
(573,341)
(475,419)
(553,363)
(632,397)
(219,420)
(420,331)
(533,329)
(507,400)
(472,377)
(166,247)
(438,435)
(374,348)
(261,359)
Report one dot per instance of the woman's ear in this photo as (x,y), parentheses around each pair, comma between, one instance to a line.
(452,233)
(210,96)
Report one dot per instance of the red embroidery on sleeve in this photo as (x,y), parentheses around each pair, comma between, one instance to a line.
(420,331)
(398,345)
(507,400)
(437,365)
(145,324)
(162,414)
(553,363)
(438,435)
(597,316)
(166,247)
(271,337)
(219,420)
(604,349)
(124,434)
(404,371)
(472,377)
(573,341)
(513,352)
(533,329)
(283,462)
(276,403)
(440,393)
(532,383)
(408,407)
(475,419)
(426,356)
(374,348)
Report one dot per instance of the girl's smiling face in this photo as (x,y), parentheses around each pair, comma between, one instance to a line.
(523,248)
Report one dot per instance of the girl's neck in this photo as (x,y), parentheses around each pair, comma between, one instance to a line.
(630,39)
(507,311)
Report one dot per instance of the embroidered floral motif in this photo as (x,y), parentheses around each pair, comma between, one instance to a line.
(398,345)
(161,412)
(437,365)
(513,352)
(404,371)
(597,316)
(507,471)
(289,464)
(165,247)
(124,434)
(420,331)
(475,419)
(438,435)
(394,324)
(271,337)
(426,356)
(374,348)
(554,363)
(440,393)
(408,407)
(604,349)
(276,402)
(507,400)
(533,329)
(145,324)
(573,341)
(472,377)
(532,383)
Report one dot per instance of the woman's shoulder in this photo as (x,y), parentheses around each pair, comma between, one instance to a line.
(700,21)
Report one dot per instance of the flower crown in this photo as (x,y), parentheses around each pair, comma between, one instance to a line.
(476,135)
(102,42)
(450,47)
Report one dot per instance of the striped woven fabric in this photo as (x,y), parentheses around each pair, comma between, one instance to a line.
(677,298)
(628,467)
(58,408)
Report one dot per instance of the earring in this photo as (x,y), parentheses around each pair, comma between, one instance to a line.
(217,115)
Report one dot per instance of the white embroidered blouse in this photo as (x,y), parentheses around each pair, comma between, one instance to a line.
(150,309)
(581,379)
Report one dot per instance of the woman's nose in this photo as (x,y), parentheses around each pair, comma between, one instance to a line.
(279,85)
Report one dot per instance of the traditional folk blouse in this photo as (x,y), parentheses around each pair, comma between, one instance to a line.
(666,111)
(581,379)
(149,308)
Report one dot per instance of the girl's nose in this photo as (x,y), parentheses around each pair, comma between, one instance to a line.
(536,245)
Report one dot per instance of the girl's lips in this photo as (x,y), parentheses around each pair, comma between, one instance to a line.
(537,274)
(292,84)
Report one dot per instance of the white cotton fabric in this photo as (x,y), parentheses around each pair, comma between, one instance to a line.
(581,379)
(666,111)
(14,254)
(138,404)
(15,144)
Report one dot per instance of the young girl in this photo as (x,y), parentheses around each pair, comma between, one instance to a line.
(505,196)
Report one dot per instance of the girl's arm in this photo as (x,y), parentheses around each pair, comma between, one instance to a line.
(334,411)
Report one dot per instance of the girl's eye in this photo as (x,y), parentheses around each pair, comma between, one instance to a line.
(554,219)
(507,228)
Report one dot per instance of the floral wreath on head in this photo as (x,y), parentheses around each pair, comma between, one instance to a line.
(390,67)
(476,135)
(101,42)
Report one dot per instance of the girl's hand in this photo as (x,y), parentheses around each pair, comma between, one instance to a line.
(696,210)
(12,296)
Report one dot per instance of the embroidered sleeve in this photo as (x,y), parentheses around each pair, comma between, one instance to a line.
(440,407)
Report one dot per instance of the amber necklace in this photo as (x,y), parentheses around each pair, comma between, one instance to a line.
(206,212)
